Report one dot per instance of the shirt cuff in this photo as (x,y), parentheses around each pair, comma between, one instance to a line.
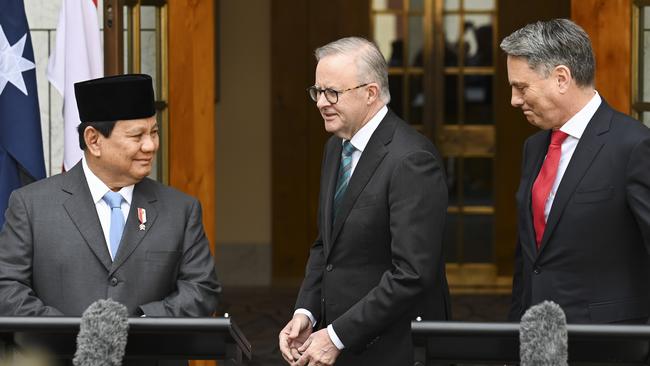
(308,314)
(335,339)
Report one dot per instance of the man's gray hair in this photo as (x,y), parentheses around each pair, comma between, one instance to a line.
(548,44)
(371,64)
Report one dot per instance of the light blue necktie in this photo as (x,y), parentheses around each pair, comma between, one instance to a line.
(114,201)
(345,171)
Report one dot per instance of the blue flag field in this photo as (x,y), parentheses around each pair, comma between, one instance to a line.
(21,144)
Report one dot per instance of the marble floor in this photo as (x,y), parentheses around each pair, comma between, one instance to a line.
(262,311)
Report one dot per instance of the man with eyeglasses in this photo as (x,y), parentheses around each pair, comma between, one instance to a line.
(377,263)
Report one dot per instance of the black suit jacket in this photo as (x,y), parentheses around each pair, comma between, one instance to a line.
(379,264)
(593,259)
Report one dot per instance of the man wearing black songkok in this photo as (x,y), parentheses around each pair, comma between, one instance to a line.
(103,229)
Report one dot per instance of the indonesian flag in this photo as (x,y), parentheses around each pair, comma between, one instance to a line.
(77,56)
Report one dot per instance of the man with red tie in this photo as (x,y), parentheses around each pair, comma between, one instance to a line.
(584,195)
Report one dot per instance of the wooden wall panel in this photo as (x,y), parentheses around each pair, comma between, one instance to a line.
(191,103)
(609,24)
(191,107)
(512,127)
(297,133)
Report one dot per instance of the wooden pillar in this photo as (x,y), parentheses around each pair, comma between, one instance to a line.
(609,25)
(192,103)
(192,106)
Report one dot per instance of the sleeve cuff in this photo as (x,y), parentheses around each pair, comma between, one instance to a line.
(335,339)
(308,314)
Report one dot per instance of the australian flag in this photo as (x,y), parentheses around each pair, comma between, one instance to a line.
(21,144)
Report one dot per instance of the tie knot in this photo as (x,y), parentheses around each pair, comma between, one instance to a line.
(558,137)
(113,199)
(348,148)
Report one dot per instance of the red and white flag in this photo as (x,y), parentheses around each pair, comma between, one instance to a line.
(77,56)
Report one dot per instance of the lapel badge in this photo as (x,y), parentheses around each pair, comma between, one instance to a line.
(142,216)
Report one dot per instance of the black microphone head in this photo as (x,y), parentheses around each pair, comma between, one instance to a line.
(102,334)
(543,336)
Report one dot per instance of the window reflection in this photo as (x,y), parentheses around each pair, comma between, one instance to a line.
(478,99)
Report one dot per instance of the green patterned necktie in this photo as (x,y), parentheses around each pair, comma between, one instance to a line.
(345,171)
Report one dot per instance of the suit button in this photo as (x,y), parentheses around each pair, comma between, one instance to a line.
(113,281)
(329,267)
(537,270)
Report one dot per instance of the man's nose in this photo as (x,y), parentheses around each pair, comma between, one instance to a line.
(321,101)
(148,144)
(516,100)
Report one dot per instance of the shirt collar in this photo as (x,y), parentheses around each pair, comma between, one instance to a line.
(577,124)
(361,138)
(98,188)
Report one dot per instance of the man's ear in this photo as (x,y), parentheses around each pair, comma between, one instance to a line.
(563,77)
(92,138)
(372,93)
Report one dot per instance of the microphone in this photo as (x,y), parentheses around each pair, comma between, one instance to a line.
(102,334)
(543,336)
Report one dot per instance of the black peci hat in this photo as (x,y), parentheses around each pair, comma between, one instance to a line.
(114,98)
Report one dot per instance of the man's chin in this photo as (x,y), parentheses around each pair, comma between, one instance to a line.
(141,174)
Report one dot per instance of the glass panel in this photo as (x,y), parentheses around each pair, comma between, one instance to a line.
(645,68)
(478,38)
(450,238)
(478,99)
(388,38)
(147,17)
(451,31)
(387,4)
(396,87)
(451,170)
(450,105)
(478,232)
(417,98)
(479,4)
(646,17)
(126,23)
(417,5)
(451,5)
(416,40)
(478,182)
(148,58)
(646,118)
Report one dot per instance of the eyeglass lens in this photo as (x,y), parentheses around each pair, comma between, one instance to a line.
(330,95)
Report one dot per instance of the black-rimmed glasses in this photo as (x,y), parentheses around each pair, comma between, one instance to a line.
(331,95)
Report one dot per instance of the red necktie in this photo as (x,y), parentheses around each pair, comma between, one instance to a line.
(544,183)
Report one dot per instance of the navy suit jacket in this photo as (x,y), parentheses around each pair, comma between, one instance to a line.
(593,259)
(379,264)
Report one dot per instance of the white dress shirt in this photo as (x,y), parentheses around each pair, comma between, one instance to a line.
(574,127)
(359,141)
(97,190)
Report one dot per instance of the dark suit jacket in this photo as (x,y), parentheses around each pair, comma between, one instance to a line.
(593,259)
(379,264)
(54,259)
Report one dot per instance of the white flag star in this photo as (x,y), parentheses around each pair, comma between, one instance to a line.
(12,63)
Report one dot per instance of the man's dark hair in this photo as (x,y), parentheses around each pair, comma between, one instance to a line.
(105,128)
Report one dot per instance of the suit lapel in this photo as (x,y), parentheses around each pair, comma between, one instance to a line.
(539,147)
(81,209)
(370,159)
(143,197)
(333,162)
(589,146)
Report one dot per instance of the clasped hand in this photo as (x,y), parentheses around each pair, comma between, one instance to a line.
(300,347)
